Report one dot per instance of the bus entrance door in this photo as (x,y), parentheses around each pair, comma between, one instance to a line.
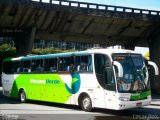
(110,99)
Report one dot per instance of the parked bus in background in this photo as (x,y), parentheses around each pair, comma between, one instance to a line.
(95,78)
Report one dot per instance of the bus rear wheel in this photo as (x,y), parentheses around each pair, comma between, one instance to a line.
(22,96)
(86,103)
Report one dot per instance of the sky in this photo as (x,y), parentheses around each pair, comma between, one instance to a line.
(142,50)
(143,4)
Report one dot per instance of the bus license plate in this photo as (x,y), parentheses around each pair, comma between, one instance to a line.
(139,104)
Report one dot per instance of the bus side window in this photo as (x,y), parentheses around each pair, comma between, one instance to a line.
(60,64)
(102,69)
(109,79)
(77,63)
(89,63)
(50,65)
(64,64)
(67,63)
(26,66)
(16,66)
(19,70)
(84,63)
(37,66)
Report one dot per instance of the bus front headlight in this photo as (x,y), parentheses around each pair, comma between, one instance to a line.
(124,99)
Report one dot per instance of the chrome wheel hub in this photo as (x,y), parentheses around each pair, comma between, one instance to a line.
(86,102)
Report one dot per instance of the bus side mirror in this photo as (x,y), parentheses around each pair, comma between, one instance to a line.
(119,68)
(154,66)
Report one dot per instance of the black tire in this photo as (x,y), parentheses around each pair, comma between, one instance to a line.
(86,103)
(22,96)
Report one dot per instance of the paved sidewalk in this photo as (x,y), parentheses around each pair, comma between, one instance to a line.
(155,99)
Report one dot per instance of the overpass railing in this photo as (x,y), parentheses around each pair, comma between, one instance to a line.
(92,6)
(100,7)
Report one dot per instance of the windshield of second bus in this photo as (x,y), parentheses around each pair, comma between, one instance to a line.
(135,76)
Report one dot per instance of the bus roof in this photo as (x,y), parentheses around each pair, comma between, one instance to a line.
(89,51)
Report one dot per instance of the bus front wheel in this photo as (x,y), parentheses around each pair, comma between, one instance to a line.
(86,103)
(22,96)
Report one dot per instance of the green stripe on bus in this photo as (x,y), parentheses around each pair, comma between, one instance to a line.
(140,96)
(7,59)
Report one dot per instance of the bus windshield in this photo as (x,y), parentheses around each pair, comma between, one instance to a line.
(135,75)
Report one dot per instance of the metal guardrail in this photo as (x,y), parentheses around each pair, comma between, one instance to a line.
(93,6)
(100,7)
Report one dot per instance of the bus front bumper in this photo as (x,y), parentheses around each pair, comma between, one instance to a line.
(121,105)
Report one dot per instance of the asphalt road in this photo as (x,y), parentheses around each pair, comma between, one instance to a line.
(11,109)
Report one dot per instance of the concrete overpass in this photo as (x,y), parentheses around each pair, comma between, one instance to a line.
(27,20)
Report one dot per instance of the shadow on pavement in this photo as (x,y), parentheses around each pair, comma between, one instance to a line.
(155,100)
(73,117)
(4,99)
(116,115)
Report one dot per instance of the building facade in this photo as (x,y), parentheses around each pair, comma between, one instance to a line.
(54,44)
(7,40)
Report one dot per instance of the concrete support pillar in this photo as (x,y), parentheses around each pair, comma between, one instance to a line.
(24,41)
(154,48)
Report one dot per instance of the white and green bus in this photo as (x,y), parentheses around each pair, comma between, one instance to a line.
(95,78)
